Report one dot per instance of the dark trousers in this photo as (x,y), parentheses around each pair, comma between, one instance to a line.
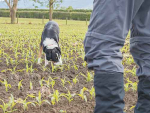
(109,25)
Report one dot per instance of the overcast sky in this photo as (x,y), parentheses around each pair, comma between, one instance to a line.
(76,4)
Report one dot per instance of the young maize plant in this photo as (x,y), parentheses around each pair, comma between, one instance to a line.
(62,111)
(133,71)
(82,94)
(44,68)
(39,100)
(7,61)
(11,61)
(6,85)
(68,67)
(53,67)
(12,103)
(84,64)
(75,80)
(125,49)
(129,61)
(31,68)
(89,76)
(134,86)
(130,85)
(63,82)
(75,67)
(20,85)
(126,87)
(31,85)
(92,92)
(55,97)
(41,82)
(13,71)
(25,103)
(16,58)
(52,83)
(69,96)
(47,82)
(6,107)
(27,67)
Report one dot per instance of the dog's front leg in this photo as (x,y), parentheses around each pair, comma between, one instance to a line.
(40,54)
(46,61)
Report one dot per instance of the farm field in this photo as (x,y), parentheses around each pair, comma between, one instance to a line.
(26,87)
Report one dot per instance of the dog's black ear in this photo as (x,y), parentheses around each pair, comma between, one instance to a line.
(58,49)
(48,54)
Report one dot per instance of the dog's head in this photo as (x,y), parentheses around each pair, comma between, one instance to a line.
(53,54)
(52,50)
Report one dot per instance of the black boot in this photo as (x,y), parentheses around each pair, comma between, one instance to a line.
(143,104)
(109,88)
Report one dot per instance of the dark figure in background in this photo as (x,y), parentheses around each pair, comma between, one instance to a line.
(110,23)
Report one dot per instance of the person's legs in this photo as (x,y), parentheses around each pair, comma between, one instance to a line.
(140,49)
(109,26)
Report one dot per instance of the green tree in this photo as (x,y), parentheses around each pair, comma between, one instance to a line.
(70,8)
(63,8)
(50,4)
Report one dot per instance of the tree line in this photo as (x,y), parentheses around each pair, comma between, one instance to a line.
(12,4)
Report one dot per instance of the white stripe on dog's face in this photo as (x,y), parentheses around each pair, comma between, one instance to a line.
(59,60)
(50,43)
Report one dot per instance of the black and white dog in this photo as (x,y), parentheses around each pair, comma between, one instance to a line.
(50,44)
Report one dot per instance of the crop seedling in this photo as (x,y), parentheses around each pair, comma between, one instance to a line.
(75,67)
(64,82)
(126,87)
(31,68)
(20,85)
(7,61)
(10,105)
(53,67)
(27,67)
(82,94)
(92,92)
(62,111)
(40,101)
(84,64)
(6,85)
(52,83)
(47,82)
(5,106)
(134,86)
(12,102)
(31,85)
(130,85)
(69,96)
(44,68)
(55,97)
(75,80)
(41,82)
(89,76)
(25,103)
